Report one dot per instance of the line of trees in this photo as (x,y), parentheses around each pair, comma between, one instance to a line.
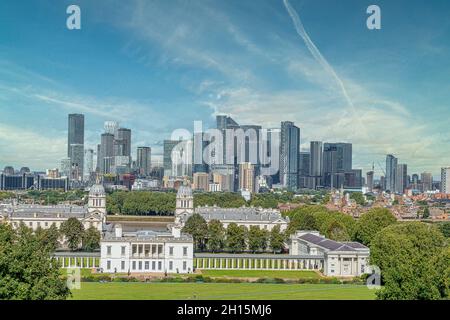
(214,237)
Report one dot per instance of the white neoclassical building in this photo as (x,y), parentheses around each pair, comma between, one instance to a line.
(35,216)
(146,251)
(341,259)
(244,216)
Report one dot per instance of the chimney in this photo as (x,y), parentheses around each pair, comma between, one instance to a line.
(176,231)
(118,231)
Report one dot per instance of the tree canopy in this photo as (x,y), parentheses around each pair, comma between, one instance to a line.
(73,230)
(414,262)
(371,222)
(27,269)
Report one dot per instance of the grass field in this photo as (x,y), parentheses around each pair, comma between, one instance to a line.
(261,274)
(219,291)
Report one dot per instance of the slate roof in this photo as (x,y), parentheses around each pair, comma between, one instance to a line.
(29,211)
(239,214)
(331,244)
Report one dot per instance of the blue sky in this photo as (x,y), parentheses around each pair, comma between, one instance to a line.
(156,66)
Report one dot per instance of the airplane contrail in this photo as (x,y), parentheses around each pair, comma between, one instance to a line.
(316,53)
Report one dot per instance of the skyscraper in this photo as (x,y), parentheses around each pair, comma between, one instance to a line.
(246,177)
(143,160)
(75,142)
(445,180)
(316,164)
(167,156)
(369,181)
(304,159)
(337,159)
(391,172)
(88,163)
(426,178)
(289,150)
(401,178)
(106,153)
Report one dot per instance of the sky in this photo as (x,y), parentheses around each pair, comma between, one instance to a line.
(157,66)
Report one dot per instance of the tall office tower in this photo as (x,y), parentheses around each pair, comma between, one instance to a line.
(303,168)
(200,161)
(65,167)
(111,127)
(182,158)
(143,160)
(88,164)
(106,153)
(315,164)
(77,161)
(353,179)
(401,178)
(391,172)
(123,142)
(240,142)
(289,150)
(415,181)
(445,180)
(369,181)
(271,156)
(337,159)
(75,131)
(75,141)
(427,181)
(383,183)
(200,181)
(167,156)
(247,176)
(24,170)
(225,175)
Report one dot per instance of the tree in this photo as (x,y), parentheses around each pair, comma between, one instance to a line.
(49,237)
(91,239)
(413,261)
(358,197)
(257,239)
(216,236)
(337,231)
(73,230)
(197,227)
(276,239)
(426,213)
(27,269)
(445,228)
(236,237)
(370,223)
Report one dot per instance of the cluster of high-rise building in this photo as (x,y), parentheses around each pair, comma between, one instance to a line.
(397,180)
(230,157)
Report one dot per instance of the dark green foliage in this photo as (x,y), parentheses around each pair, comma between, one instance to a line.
(276,239)
(236,237)
(216,236)
(371,222)
(414,262)
(257,239)
(27,270)
(197,227)
(73,230)
(91,239)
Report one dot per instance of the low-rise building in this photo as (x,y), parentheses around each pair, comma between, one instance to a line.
(146,251)
(341,259)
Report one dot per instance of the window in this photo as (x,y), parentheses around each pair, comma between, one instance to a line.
(184,265)
(38,224)
(147,265)
(153,265)
(46,224)
(134,265)
(160,249)
(108,265)
(185,251)
(122,265)
(31,224)
(122,252)
(159,265)
(171,251)
(134,249)
(140,265)
(108,250)
(170,265)
(147,250)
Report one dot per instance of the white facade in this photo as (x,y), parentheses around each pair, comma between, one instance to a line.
(445,180)
(38,216)
(146,252)
(341,259)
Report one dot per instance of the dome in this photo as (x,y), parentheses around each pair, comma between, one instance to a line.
(184,191)
(96,190)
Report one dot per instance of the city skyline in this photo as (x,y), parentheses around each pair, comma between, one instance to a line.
(126,65)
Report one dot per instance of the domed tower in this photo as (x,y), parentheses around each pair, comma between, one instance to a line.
(97,201)
(185,201)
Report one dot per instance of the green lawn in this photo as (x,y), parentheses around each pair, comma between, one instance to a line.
(283,274)
(218,291)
